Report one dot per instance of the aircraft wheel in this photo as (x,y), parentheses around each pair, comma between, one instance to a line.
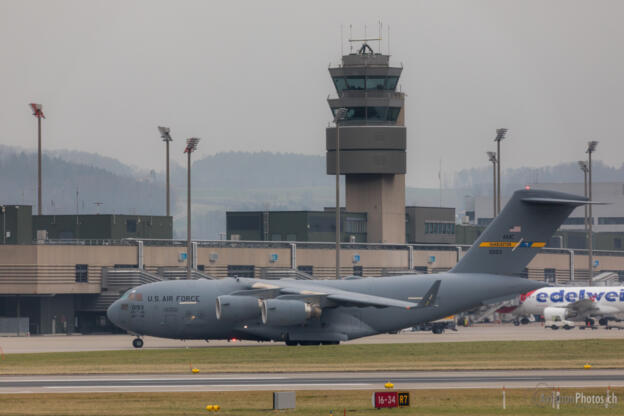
(137,343)
(567,327)
(308,343)
(603,321)
(516,323)
(555,327)
(524,321)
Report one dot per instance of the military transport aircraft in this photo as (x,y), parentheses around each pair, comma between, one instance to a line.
(304,312)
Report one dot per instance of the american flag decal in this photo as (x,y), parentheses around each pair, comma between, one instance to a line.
(515,229)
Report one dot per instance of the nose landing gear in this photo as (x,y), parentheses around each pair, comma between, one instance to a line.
(137,343)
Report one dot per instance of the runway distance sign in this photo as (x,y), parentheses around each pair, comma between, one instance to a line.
(404,398)
(383,399)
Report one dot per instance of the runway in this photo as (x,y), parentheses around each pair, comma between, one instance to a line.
(312,381)
(487,332)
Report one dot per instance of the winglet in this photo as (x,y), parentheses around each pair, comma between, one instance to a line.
(430,298)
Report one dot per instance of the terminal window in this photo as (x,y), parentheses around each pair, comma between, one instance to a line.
(306,269)
(439,228)
(240,270)
(131,226)
(82,273)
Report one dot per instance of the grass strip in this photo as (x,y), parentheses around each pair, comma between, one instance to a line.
(278,358)
(358,402)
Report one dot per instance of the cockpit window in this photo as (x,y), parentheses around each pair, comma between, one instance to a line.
(133,295)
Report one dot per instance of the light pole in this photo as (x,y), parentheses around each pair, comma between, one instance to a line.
(492,157)
(38,112)
(338,117)
(591,147)
(3,224)
(583,166)
(164,133)
(500,135)
(191,146)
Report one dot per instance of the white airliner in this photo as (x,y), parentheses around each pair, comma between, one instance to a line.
(563,305)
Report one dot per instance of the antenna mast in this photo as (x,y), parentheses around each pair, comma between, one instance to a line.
(341,43)
(379,32)
(350,37)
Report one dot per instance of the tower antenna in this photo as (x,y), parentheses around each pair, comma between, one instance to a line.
(388,39)
(341,42)
(379,31)
(350,37)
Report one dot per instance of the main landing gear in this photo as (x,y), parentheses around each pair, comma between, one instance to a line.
(307,343)
(137,343)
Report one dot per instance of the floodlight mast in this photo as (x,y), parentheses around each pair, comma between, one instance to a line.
(340,115)
(500,135)
(37,110)
(583,166)
(591,148)
(492,157)
(191,146)
(166,137)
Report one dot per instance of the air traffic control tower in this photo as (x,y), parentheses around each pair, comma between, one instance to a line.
(372,142)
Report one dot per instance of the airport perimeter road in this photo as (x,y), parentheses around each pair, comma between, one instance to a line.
(313,381)
(506,332)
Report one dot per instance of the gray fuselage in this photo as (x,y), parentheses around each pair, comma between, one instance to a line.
(185,309)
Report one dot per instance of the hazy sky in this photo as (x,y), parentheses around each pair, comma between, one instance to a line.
(253,76)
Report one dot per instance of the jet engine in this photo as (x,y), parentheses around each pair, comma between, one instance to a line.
(281,312)
(555,314)
(237,308)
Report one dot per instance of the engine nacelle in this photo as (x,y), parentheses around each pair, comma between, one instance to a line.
(283,312)
(237,308)
(555,314)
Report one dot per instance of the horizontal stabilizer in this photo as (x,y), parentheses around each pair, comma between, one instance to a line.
(559,201)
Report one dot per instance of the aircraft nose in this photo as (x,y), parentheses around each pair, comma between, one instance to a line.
(113,312)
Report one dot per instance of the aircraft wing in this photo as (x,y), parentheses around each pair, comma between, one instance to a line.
(282,289)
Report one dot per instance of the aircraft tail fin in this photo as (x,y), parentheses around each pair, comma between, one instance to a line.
(522,228)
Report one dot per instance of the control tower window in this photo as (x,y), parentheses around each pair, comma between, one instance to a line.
(355,83)
(356,113)
(376,113)
(375,83)
(340,83)
(391,83)
(393,113)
